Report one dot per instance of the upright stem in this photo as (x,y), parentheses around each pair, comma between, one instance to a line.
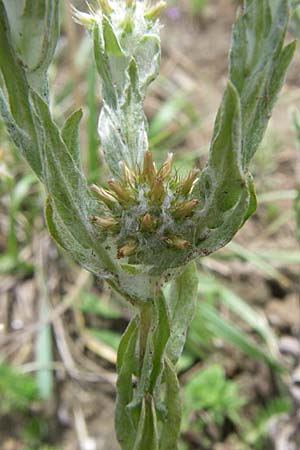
(148,411)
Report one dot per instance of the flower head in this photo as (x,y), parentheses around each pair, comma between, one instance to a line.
(146,204)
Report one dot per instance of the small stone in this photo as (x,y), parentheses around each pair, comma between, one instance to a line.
(290,345)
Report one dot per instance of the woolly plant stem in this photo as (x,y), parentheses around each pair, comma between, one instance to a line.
(148,409)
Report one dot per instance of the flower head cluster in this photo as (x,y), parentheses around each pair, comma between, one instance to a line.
(87,19)
(146,203)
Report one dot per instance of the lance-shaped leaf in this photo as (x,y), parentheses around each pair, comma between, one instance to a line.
(160,340)
(116,44)
(70,136)
(16,110)
(102,64)
(65,238)
(52,225)
(67,185)
(34,28)
(147,432)
(20,138)
(127,53)
(258,64)
(132,118)
(126,368)
(181,302)
(63,179)
(117,59)
(232,220)
(153,359)
(224,168)
(223,187)
(171,427)
(147,56)
(296,124)
(123,130)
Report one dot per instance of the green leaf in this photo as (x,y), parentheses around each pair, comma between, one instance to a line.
(34,30)
(152,364)
(91,303)
(123,130)
(283,257)
(181,303)
(102,64)
(252,201)
(109,337)
(51,223)
(133,120)
(233,335)
(147,56)
(71,200)
(70,135)
(209,390)
(43,350)
(112,45)
(147,434)
(112,140)
(20,138)
(224,162)
(18,115)
(17,390)
(13,74)
(171,427)
(92,158)
(160,339)
(251,317)
(223,189)
(258,63)
(126,368)
(63,179)
(263,265)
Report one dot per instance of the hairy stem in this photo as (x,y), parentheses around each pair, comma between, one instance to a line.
(148,389)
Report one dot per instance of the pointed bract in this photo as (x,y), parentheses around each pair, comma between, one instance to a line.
(184,209)
(166,167)
(149,171)
(177,242)
(105,196)
(107,222)
(127,249)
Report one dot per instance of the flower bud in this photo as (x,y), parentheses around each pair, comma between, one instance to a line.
(149,171)
(154,12)
(108,199)
(85,19)
(130,3)
(184,209)
(122,194)
(166,167)
(106,222)
(105,6)
(128,174)
(148,223)
(157,190)
(187,183)
(177,241)
(127,249)
(127,23)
